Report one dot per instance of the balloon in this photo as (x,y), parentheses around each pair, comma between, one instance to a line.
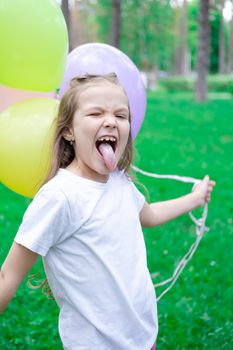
(102,59)
(25,136)
(34,44)
(9,96)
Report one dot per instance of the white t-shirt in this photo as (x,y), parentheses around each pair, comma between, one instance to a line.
(94,255)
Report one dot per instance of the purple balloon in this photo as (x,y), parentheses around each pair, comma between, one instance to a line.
(103,59)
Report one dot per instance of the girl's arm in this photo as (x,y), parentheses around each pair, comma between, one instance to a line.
(158,213)
(18,262)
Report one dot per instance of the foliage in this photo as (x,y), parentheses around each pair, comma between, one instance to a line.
(215,17)
(151,32)
(220,83)
(145,27)
(103,18)
(193,31)
(178,83)
(216,83)
(182,137)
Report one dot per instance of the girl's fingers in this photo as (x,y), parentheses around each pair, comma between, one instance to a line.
(209,188)
(211,185)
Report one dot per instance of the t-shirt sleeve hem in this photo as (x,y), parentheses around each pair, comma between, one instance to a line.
(140,203)
(138,197)
(33,246)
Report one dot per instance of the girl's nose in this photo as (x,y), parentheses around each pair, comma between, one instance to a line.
(109,121)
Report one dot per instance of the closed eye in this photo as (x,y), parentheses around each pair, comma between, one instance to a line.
(121,116)
(94,114)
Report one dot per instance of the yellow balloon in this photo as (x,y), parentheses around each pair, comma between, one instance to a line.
(26,131)
(34,44)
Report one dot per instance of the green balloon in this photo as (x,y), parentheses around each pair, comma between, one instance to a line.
(33,44)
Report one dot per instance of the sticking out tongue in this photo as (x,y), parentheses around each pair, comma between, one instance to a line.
(108,155)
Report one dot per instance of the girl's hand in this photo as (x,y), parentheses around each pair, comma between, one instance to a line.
(203,189)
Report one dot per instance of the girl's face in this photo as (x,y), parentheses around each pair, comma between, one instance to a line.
(100,130)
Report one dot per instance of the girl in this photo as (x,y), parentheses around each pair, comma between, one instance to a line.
(85,222)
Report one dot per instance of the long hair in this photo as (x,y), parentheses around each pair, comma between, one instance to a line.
(62,152)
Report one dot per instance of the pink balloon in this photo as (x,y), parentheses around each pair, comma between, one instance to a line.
(102,59)
(9,96)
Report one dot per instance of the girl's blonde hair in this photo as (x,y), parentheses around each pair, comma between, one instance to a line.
(63,152)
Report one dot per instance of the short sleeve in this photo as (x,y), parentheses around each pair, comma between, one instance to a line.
(138,197)
(46,221)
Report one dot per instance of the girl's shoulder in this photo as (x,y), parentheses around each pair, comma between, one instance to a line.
(78,192)
(56,190)
(51,192)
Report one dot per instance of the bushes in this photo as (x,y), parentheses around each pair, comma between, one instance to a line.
(216,83)
(176,83)
(220,83)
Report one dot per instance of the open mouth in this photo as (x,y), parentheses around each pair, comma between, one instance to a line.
(106,146)
(110,140)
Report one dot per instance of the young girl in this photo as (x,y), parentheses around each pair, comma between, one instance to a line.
(85,222)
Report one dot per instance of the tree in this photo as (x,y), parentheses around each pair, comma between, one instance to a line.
(103,13)
(66,13)
(116,22)
(203,51)
(193,33)
(146,32)
(181,50)
(221,62)
(83,22)
(230,46)
(215,18)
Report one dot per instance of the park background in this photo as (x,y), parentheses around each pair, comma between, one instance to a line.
(186,57)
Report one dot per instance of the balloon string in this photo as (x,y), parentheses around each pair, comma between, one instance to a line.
(171,177)
(199,224)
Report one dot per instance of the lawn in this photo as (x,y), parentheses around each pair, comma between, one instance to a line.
(179,137)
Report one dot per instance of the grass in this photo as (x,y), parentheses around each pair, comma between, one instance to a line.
(180,137)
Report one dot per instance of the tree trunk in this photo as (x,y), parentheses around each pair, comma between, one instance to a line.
(66,13)
(184,64)
(181,56)
(203,51)
(176,68)
(221,61)
(230,47)
(116,18)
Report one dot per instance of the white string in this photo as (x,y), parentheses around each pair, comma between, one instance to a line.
(199,224)
(171,177)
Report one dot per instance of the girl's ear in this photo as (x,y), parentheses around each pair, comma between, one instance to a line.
(68,134)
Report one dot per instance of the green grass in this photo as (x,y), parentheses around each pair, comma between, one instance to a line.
(178,137)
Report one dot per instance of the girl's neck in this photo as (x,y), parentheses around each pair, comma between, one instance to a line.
(87,173)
